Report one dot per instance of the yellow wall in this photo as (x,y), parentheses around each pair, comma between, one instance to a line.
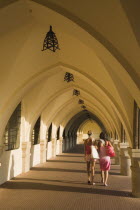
(93,126)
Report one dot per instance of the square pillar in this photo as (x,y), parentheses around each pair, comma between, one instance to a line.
(43,151)
(53,147)
(135,168)
(26,154)
(125,160)
(117,152)
(60,144)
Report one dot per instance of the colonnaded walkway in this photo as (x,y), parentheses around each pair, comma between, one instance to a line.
(61,183)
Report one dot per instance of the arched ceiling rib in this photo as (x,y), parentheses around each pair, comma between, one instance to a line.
(76,121)
(96,71)
(58,102)
(71,11)
(86,124)
(72,110)
(61,108)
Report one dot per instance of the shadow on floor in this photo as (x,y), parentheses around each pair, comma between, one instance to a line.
(65,161)
(57,169)
(41,186)
(51,180)
(68,156)
(78,149)
(67,170)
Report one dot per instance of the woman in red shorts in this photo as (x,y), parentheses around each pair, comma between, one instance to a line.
(89,160)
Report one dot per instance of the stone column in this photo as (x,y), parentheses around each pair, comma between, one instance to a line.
(117,152)
(43,151)
(71,141)
(74,140)
(26,154)
(135,168)
(60,144)
(53,147)
(125,160)
(67,147)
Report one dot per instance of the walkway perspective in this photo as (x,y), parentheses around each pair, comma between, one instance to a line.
(61,183)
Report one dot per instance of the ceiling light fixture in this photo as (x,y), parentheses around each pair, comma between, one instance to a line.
(50,41)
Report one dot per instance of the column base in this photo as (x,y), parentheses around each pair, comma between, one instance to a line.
(135,168)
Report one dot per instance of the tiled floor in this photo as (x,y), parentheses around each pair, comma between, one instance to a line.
(61,183)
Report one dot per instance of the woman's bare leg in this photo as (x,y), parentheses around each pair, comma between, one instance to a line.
(88,170)
(92,171)
(102,176)
(106,177)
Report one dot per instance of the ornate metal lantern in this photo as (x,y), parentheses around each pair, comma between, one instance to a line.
(80,101)
(50,41)
(76,92)
(69,77)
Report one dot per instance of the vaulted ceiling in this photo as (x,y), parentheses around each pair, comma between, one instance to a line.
(99,45)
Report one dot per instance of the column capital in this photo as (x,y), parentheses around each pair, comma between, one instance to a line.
(124,145)
(42,142)
(134,153)
(116,141)
(25,144)
(61,139)
(124,150)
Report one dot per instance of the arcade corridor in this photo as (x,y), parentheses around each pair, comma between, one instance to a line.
(61,183)
(67,68)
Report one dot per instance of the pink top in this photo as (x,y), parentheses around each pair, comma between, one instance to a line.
(102,152)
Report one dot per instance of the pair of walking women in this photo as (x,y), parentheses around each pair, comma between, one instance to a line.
(104,159)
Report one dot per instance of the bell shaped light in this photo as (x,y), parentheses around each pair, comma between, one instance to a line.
(69,77)
(50,41)
(76,92)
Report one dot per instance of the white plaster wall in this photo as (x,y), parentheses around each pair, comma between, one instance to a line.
(35,155)
(11,165)
(49,150)
(58,149)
